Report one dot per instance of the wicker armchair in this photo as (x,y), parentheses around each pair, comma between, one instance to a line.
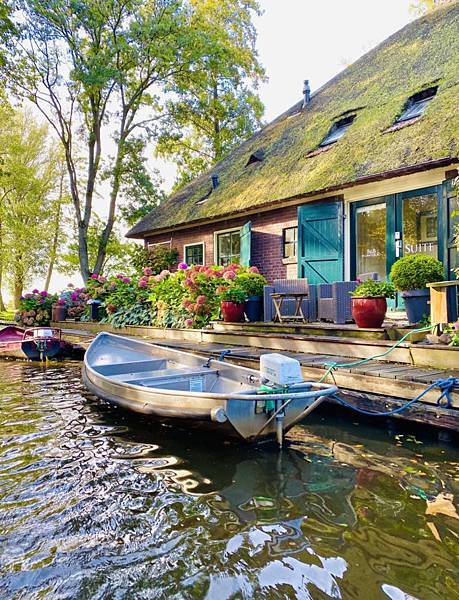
(334,299)
(309,305)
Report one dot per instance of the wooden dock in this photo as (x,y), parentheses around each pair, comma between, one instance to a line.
(376,386)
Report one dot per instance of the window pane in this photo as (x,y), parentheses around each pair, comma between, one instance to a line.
(371,239)
(420,225)
(194,255)
(224,244)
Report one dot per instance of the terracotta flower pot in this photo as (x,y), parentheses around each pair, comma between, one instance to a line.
(369,313)
(233,312)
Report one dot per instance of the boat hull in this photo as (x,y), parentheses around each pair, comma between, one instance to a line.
(222,410)
(13,345)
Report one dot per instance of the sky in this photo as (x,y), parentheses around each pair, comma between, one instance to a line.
(305,39)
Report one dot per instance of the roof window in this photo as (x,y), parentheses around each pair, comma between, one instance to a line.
(417,104)
(256,157)
(337,130)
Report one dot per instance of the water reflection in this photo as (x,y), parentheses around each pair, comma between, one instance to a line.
(95,503)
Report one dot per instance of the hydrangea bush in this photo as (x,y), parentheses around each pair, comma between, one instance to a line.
(35,309)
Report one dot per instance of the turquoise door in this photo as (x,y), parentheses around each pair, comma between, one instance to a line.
(246,244)
(320,241)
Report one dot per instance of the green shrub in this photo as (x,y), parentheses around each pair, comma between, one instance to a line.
(233,293)
(251,282)
(415,271)
(374,289)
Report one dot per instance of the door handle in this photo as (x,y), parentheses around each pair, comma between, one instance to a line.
(398,247)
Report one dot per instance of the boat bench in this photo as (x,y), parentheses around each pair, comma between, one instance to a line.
(186,379)
(131,367)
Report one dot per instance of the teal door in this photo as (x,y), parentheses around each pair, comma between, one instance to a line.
(320,242)
(246,244)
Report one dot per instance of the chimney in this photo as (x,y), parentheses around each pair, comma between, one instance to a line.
(306,93)
(214,182)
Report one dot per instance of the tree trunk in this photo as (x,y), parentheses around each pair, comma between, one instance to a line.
(57,227)
(107,231)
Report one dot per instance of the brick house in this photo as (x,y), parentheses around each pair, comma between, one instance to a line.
(344,182)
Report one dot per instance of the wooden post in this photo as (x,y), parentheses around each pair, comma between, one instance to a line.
(441,311)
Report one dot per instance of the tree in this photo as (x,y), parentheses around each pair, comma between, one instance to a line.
(96,68)
(215,107)
(421,7)
(117,258)
(27,183)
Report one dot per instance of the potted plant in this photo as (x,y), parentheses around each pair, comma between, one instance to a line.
(59,310)
(369,303)
(410,275)
(252,283)
(232,304)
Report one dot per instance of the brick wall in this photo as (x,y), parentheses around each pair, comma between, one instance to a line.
(266,240)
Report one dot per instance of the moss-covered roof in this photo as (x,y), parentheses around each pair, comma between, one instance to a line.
(375,88)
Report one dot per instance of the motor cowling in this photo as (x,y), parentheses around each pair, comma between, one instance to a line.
(279,370)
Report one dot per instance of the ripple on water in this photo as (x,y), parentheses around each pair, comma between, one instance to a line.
(97,504)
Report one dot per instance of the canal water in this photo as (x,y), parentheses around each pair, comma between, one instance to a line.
(97,504)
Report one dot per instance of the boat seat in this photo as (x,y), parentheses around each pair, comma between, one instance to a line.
(166,377)
(130,367)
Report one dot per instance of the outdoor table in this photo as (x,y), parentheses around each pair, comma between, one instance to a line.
(278,299)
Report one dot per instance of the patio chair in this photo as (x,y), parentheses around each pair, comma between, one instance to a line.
(334,299)
(308,306)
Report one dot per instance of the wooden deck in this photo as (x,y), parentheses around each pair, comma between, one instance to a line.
(376,386)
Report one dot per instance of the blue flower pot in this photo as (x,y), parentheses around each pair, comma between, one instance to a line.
(254,308)
(416,304)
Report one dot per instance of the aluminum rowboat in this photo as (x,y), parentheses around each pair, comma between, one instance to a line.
(193,391)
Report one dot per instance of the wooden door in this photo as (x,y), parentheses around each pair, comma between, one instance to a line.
(320,241)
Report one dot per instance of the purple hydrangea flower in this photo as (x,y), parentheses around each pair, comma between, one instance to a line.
(183,266)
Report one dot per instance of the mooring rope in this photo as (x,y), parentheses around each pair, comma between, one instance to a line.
(363,361)
(446,386)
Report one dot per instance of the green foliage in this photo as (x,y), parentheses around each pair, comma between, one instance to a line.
(251,282)
(421,7)
(415,271)
(374,289)
(6,315)
(234,294)
(35,309)
(214,107)
(119,254)
(137,314)
(157,260)
(29,176)
(453,330)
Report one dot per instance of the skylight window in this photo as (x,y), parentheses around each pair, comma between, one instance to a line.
(417,104)
(256,157)
(338,129)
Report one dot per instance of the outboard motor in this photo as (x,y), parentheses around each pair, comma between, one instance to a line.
(277,373)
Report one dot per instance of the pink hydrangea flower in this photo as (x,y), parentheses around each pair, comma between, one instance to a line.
(165,273)
(188,322)
(182,266)
(253,270)
(61,301)
(147,271)
(126,280)
(35,292)
(94,276)
(142,283)
(456,326)
(119,276)
(201,299)
(101,279)
(43,294)
(229,275)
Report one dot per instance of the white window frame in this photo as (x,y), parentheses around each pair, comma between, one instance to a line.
(185,246)
(217,233)
(153,245)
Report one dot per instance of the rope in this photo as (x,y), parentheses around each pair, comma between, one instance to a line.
(446,386)
(363,361)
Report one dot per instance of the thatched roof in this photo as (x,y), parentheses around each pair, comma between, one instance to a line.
(375,88)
